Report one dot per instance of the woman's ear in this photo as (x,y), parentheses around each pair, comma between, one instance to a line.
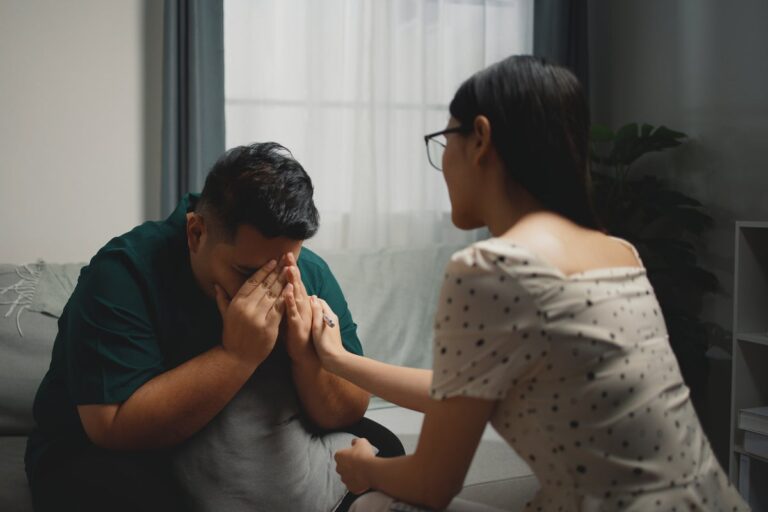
(482,144)
(195,231)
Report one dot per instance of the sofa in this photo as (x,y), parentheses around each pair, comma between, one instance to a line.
(391,294)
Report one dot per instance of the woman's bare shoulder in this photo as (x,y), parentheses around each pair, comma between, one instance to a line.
(570,247)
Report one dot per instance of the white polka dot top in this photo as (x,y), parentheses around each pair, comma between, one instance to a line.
(589,392)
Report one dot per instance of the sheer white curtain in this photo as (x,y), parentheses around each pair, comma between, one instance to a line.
(351,87)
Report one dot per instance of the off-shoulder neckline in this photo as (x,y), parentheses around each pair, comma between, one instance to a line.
(592,273)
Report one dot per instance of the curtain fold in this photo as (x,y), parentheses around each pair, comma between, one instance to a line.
(560,35)
(193,96)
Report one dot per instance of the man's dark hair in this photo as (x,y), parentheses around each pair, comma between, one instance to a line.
(263,186)
(540,128)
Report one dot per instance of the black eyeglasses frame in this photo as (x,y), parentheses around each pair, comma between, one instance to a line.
(430,136)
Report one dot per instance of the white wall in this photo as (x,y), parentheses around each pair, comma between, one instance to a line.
(80,86)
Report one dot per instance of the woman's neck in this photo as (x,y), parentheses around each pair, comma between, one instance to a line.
(506,206)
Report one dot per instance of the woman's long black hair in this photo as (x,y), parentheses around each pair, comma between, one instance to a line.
(540,128)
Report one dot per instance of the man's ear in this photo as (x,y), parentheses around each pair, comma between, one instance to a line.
(481,145)
(196,231)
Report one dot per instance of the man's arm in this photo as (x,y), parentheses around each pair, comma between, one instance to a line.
(329,401)
(174,405)
(171,407)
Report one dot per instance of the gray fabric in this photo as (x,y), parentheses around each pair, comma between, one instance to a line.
(23,359)
(508,494)
(560,35)
(257,454)
(193,95)
(55,285)
(379,502)
(18,288)
(14,491)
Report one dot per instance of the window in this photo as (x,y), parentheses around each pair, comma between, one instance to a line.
(351,87)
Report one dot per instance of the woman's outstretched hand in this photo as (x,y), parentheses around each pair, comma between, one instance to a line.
(327,339)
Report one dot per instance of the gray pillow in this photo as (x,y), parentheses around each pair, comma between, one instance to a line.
(23,359)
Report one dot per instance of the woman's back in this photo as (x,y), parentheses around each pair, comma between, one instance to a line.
(589,391)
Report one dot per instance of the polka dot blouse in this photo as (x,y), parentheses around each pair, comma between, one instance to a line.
(589,392)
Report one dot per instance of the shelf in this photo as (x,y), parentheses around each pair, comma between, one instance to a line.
(751,224)
(740,450)
(760,339)
(749,378)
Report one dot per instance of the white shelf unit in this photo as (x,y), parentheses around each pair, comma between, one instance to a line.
(749,384)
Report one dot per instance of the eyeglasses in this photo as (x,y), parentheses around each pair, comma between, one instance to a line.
(436,145)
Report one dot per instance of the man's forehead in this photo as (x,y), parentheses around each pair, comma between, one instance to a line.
(253,249)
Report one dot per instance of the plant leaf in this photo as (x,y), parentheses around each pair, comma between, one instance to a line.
(601,133)
(631,142)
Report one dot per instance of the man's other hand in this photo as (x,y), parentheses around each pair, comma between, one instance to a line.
(298,314)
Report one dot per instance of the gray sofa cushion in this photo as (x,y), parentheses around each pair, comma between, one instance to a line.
(14,492)
(23,359)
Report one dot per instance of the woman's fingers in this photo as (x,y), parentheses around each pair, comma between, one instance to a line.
(326,309)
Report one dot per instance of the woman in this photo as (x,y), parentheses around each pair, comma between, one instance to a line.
(550,329)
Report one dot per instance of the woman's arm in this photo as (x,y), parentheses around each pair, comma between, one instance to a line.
(406,387)
(435,473)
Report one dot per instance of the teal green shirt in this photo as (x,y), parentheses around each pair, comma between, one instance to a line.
(135,313)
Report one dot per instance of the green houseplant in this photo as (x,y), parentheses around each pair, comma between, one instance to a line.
(666,226)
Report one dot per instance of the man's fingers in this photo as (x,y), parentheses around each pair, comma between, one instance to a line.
(299,284)
(275,288)
(279,305)
(317,315)
(290,302)
(293,276)
(221,300)
(299,292)
(275,310)
(272,301)
(257,278)
(271,279)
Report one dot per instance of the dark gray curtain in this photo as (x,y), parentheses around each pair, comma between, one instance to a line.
(560,35)
(193,95)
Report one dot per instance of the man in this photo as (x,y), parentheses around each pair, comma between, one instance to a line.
(166,326)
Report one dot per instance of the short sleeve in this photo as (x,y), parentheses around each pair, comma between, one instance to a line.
(320,281)
(486,328)
(111,344)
